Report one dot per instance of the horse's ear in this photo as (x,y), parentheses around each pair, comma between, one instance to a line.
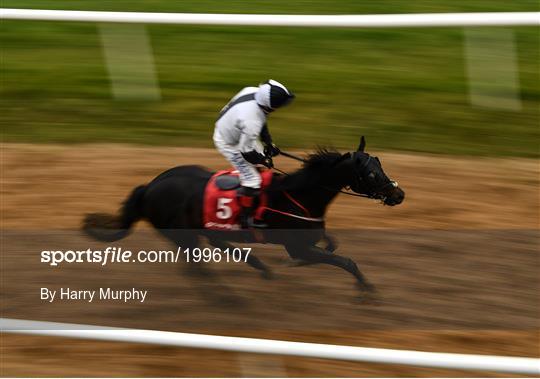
(362,145)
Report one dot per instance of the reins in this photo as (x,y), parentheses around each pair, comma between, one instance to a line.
(300,159)
(294,201)
(292,156)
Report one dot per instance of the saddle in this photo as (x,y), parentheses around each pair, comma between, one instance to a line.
(221,209)
(227,182)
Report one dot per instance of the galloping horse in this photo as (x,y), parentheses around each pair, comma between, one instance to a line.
(173,204)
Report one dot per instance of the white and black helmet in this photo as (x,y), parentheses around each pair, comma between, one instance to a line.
(272,95)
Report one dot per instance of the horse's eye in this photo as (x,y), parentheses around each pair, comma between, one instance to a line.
(371,175)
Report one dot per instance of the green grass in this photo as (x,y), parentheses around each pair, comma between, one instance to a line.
(282,6)
(405,89)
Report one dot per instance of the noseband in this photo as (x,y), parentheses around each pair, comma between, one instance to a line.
(360,172)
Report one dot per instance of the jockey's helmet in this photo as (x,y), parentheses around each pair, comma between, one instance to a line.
(272,95)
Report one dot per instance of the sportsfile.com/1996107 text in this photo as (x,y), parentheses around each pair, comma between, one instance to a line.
(118,255)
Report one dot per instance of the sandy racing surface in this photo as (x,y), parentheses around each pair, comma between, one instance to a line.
(456,267)
(44,181)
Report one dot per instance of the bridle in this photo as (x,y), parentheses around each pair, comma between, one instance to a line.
(358,177)
(360,172)
(374,193)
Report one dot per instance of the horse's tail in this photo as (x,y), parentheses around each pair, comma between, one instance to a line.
(108,227)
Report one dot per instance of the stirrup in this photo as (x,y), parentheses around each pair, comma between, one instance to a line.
(257,224)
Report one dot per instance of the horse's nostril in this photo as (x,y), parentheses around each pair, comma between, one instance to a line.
(398,196)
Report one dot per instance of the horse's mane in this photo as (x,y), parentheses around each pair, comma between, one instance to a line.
(322,160)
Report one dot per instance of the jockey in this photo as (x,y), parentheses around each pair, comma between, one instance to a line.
(239,126)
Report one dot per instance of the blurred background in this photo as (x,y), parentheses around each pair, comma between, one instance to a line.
(90,110)
(440,90)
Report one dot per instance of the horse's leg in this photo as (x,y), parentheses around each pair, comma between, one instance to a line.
(251,259)
(187,241)
(331,243)
(315,254)
(204,279)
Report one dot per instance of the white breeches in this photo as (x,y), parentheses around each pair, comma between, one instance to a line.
(249,176)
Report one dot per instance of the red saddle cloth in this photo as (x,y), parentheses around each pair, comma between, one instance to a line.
(221,208)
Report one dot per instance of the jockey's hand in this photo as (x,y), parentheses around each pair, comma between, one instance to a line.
(271,150)
(268,162)
(254,157)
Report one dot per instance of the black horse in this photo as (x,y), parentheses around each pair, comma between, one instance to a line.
(173,204)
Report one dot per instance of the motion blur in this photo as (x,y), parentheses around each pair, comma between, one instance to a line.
(91,112)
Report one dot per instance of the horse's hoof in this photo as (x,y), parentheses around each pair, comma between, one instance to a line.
(300,263)
(369,299)
(367,287)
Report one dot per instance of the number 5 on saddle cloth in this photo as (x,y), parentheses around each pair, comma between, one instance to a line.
(221,210)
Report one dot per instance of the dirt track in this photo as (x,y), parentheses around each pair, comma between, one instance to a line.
(472,287)
(40,182)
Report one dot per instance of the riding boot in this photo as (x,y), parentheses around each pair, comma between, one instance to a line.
(246,199)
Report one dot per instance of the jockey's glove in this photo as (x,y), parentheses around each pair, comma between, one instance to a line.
(268,162)
(254,157)
(271,150)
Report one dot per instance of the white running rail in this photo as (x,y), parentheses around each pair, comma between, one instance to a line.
(514,365)
(364,21)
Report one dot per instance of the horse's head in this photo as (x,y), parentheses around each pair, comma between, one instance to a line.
(369,178)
